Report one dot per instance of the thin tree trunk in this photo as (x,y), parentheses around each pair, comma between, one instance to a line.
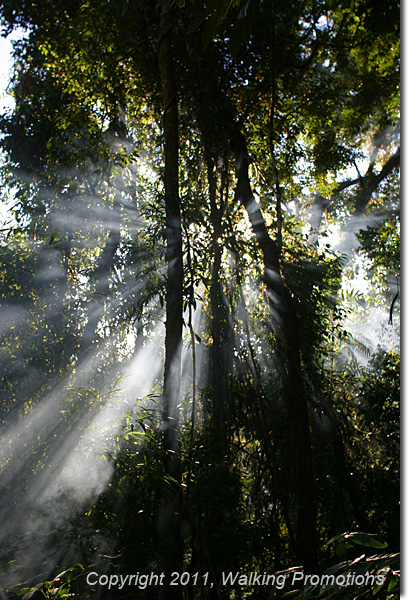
(170,511)
(218,314)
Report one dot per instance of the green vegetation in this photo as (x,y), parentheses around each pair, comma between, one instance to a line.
(184,395)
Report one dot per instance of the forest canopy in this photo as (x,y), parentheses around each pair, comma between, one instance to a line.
(200,300)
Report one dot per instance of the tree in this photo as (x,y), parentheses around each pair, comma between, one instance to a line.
(202,149)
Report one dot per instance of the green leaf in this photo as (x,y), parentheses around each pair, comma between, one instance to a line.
(244,10)
(367,540)
(377,588)
(117,381)
(359,538)
(210,30)
(241,30)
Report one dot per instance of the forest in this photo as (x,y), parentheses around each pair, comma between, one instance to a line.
(200,300)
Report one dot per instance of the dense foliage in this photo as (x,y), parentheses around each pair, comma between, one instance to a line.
(183,388)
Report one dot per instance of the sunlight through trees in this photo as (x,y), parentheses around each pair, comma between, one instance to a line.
(200,300)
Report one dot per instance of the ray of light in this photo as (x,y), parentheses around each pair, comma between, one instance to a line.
(52,466)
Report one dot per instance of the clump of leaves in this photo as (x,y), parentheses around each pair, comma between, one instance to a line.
(58,588)
(363,577)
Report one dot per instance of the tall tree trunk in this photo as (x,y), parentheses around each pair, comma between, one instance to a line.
(218,313)
(281,302)
(217,360)
(170,511)
(286,326)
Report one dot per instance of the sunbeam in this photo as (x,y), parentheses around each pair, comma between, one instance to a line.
(61,449)
(199,300)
